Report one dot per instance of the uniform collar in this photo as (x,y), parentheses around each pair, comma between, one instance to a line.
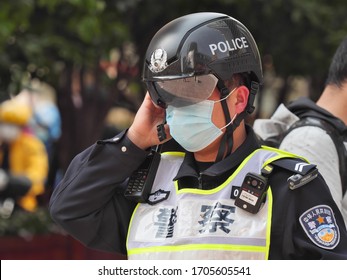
(189,165)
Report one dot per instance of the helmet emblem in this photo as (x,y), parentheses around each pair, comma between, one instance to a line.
(158,61)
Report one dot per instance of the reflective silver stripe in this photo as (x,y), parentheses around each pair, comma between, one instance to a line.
(199,254)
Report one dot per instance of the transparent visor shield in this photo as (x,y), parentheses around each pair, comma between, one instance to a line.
(182,92)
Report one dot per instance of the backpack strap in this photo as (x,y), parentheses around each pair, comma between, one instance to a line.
(336,137)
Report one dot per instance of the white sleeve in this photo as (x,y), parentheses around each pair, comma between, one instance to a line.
(315,144)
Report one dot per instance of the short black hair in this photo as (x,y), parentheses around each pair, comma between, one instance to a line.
(337,74)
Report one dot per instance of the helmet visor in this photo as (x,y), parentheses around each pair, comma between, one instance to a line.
(182,92)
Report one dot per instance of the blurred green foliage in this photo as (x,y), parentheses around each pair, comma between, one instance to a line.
(64,41)
(27,224)
(39,37)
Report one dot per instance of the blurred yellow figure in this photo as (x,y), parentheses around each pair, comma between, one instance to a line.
(23,160)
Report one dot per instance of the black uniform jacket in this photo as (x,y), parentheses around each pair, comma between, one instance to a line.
(89,202)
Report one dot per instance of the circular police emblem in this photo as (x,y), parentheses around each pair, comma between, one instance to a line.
(320,226)
(158,61)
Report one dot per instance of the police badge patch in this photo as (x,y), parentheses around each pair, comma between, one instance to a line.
(320,226)
(158,196)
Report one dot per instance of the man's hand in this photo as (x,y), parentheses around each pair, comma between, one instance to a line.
(143,131)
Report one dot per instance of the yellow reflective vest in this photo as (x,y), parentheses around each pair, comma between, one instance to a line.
(201,224)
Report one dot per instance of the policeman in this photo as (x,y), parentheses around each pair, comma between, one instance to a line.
(216,195)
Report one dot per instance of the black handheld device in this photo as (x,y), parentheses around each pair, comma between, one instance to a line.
(141,181)
(252,192)
(161,132)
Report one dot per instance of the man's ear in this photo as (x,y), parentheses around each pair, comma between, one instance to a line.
(241,94)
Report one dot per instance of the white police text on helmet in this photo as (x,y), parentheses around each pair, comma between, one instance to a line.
(232,45)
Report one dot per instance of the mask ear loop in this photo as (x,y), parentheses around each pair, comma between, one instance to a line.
(231,122)
(227,139)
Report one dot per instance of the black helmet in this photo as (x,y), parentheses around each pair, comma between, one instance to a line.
(202,47)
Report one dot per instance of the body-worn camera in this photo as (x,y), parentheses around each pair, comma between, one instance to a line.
(252,193)
(297,180)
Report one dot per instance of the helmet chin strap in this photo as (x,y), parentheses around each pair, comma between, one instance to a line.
(227,140)
(226,143)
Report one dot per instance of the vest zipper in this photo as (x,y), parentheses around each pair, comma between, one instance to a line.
(200,180)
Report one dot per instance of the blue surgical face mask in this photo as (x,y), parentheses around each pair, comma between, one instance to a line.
(192,127)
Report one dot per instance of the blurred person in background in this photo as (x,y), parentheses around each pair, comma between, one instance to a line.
(45,122)
(317,130)
(23,160)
